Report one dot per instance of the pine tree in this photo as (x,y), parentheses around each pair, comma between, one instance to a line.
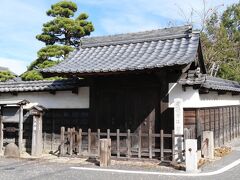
(61,35)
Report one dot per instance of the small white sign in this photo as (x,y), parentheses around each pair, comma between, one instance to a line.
(178,116)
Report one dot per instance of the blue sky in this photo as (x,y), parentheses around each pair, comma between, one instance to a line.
(21,21)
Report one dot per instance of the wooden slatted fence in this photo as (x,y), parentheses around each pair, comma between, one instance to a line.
(76,142)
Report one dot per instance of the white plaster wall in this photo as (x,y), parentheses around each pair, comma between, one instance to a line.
(192,99)
(61,100)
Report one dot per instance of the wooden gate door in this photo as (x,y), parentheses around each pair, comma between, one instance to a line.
(129,108)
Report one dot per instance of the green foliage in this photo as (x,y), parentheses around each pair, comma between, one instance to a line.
(230,71)
(32,75)
(61,35)
(54,51)
(220,42)
(5,75)
(231,21)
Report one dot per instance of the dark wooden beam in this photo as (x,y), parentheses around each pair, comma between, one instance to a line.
(203,91)
(75,90)
(235,93)
(196,86)
(221,92)
(184,88)
(52,92)
(14,93)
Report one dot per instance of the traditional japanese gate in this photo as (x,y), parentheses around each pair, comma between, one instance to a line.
(12,114)
(11,125)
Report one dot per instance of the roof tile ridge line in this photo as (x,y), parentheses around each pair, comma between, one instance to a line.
(25,82)
(140,40)
(226,80)
(188,27)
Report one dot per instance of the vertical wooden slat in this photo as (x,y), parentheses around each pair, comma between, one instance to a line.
(238,119)
(118,143)
(1,136)
(68,138)
(108,133)
(128,143)
(229,123)
(150,142)
(80,141)
(162,144)
(98,137)
(173,146)
(71,142)
(89,141)
(44,140)
(62,141)
(74,139)
(140,143)
(222,125)
(20,131)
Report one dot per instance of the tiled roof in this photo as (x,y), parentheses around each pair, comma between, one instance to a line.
(213,83)
(221,84)
(132,51)
(24,86)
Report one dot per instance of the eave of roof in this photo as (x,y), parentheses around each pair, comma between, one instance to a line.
(37,86)
(212,83)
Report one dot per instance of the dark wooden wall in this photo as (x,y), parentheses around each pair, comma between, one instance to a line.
(223,121)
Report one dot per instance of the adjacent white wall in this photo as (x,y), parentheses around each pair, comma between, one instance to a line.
(60,100)
(192,99)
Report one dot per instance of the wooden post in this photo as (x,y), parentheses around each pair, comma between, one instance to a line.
(150,142)
(108,133)
(105,152)
(238,119)
(44,140)
(98,137)
(20,132)
(118,143)
(173,146)
(80,141)
(128,143)
(1,132)
(71,142)
(74,139)
(140,142)
(89,141)
(161,145)
(68,138)
(62,141)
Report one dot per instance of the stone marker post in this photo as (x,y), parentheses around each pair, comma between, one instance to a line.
(105,152)
(178,128)
(208,145)
(37,144)
(191,155)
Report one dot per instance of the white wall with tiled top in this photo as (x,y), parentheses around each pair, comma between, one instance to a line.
(60,100)
(192,99)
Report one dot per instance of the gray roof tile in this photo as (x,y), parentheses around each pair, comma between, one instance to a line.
(44,85)
(210,82)
(133,51)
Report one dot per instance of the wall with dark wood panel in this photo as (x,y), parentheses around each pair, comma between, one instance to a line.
(223,121)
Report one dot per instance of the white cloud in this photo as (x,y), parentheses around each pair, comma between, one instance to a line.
(15,65)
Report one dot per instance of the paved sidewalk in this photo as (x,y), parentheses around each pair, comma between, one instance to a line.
(223,162)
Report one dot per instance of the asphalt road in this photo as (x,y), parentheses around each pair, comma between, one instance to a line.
(36,169)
